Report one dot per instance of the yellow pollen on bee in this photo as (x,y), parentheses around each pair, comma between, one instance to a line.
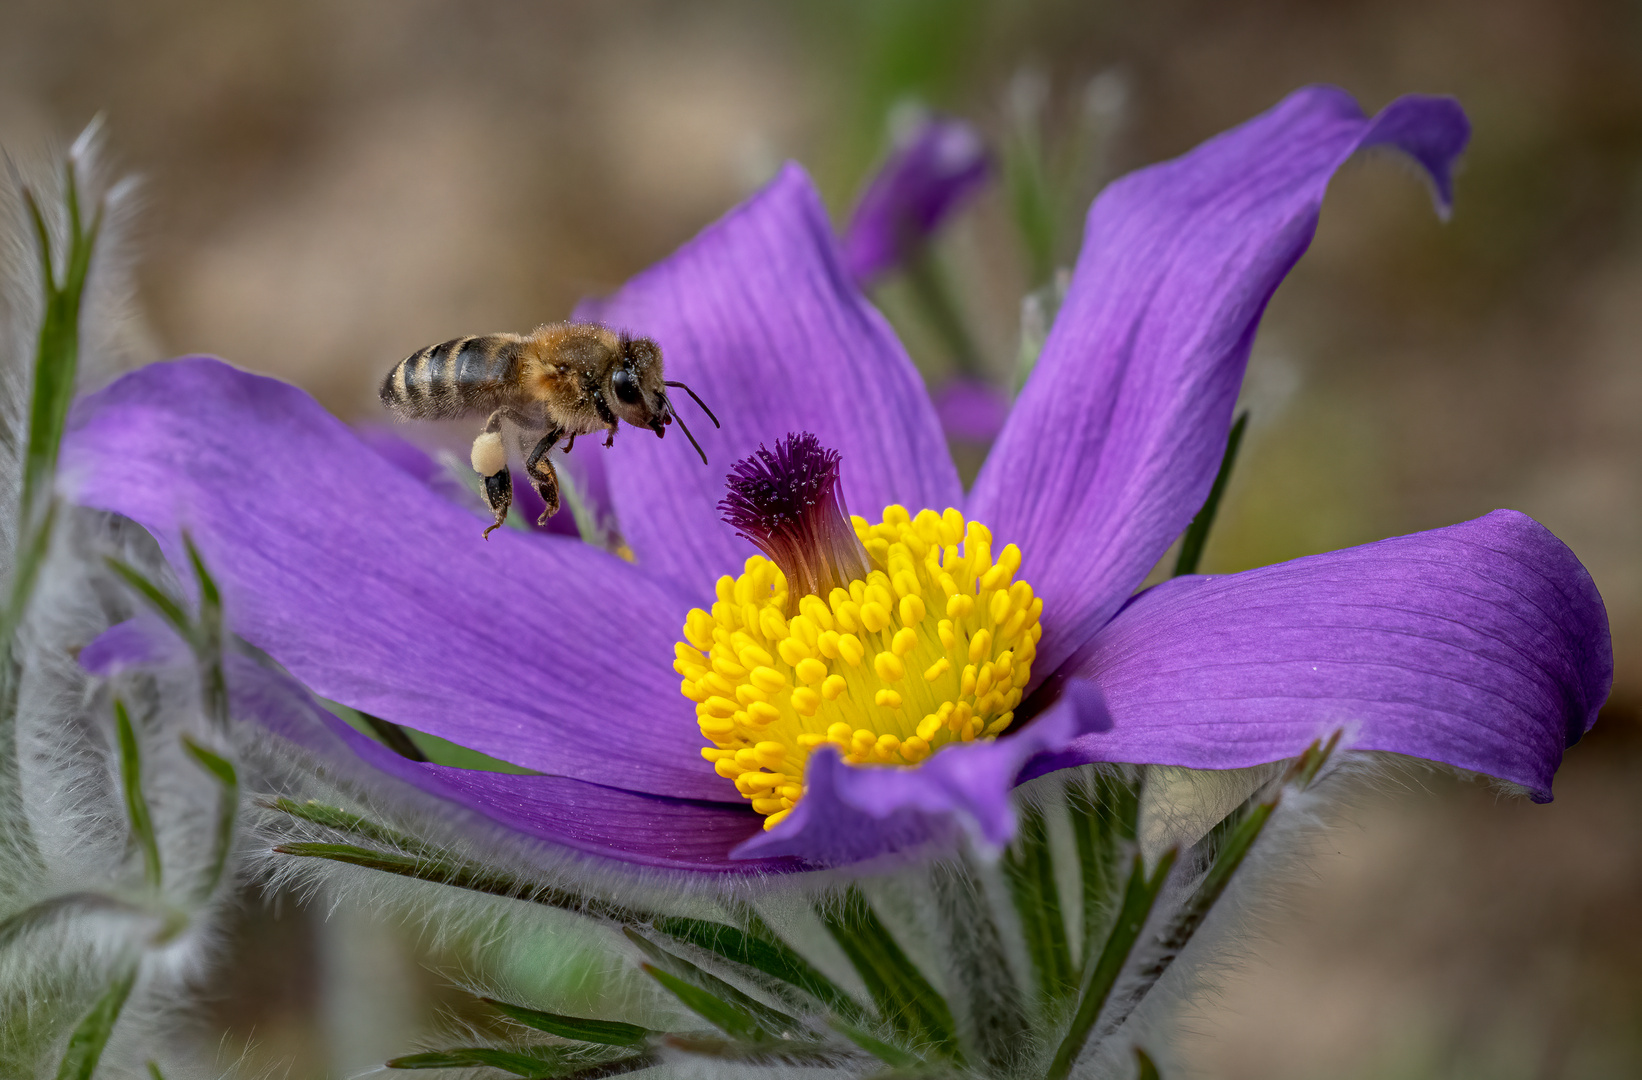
(934,646)
(489,456)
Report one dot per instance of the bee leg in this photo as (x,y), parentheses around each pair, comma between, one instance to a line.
(606,415)
(570,444)
(499,497)
(541,473)
(489,458)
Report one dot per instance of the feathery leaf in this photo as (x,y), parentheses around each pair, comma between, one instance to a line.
(605,1032)
(761,952)
(1138,899)
(904,997)
(136,805)
(768,1021)
(90,1036)
(223,771)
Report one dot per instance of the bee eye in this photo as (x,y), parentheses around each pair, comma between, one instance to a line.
(626,386)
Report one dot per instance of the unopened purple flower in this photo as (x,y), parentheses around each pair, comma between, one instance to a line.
(1483,645)
(936,166)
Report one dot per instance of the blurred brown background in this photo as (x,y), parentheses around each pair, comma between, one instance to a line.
(331,185)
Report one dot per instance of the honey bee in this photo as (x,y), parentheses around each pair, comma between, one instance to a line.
(561,381)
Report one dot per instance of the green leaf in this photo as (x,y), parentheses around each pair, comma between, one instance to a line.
(609,1068)
(90,1036)
(445,869)
(768,1021)
(203,634)
(57,351)
(136,806)
(334,817)
(999,1027)
(208,638)
(210,595)
(56,361)
(888,1053)
(541,1063)
(759,1052)
(157,598)
(33,546)
(715,1010)
(1105,810)
(222,770)
(42,237)
(1146,1068)
(549,1064)
(764,953)
(1197,534)
(1138,898)
(903,996)
(605,1032)
(439,871)
(1230,846)
(1233,849)
(1306,767)
(154,1072)
(1029,866)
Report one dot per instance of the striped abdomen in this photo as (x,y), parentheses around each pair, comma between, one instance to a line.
(454,378)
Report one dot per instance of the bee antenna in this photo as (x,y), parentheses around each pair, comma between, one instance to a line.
(689,436)
(698,401)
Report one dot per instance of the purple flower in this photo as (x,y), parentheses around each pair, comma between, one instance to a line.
(935,167)
(1483,645)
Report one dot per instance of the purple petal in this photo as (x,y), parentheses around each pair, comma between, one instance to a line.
(143,642)
(589,819)
(850,813)
(971,410)
(537,650)
(407,457)
(934,169)
(1114,442)
(1483,645)
(757,316)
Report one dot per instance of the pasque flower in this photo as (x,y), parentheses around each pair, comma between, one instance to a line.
(1483,645)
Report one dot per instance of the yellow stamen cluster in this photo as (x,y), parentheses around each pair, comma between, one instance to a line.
(933,647)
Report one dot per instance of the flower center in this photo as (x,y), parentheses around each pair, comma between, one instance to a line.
(904,635)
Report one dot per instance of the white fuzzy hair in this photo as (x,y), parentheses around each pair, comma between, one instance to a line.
(74,904)
(1178,808)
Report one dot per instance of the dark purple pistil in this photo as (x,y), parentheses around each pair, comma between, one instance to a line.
(787,502)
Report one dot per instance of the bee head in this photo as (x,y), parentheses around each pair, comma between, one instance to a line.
(637,393)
